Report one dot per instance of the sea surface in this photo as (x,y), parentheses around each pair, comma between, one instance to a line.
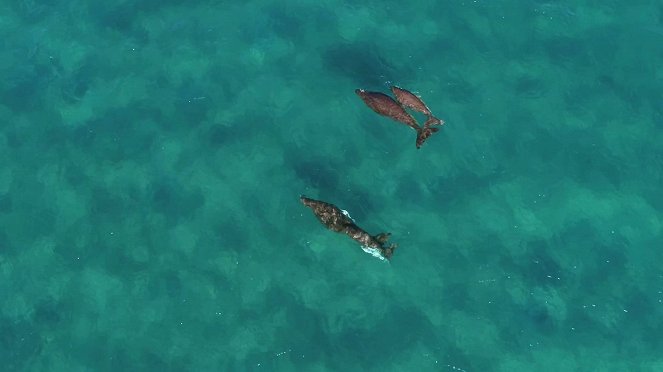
(152,155)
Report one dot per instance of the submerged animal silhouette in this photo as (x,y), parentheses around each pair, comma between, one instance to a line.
(384,105)
(414,102)
(339,220)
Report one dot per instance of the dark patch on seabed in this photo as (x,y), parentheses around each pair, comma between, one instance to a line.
(20,342)
(537,267)
(367,346)
(409,190)
(22,91)
(363,63)
(6,205)
(301,352)
(6,248)
(321,175)
(125,16)
(175,202)
(454,188)
(106,137)
(193,101)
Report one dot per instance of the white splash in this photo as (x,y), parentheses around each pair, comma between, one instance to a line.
(373,252)
(346,214)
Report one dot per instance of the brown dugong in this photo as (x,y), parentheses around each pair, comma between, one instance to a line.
(384,105)
(338,220)
(414,102)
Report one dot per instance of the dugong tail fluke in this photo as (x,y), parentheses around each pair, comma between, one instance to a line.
(424,133)
(389,251)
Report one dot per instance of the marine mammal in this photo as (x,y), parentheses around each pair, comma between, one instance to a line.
(411,100)
(339,220)
(424,133)
(384,105)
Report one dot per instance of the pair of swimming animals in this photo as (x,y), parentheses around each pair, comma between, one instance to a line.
(339,220)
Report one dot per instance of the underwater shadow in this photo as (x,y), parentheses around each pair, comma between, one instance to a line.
(361,62)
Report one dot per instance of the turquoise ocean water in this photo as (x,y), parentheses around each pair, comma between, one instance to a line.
(152,154)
